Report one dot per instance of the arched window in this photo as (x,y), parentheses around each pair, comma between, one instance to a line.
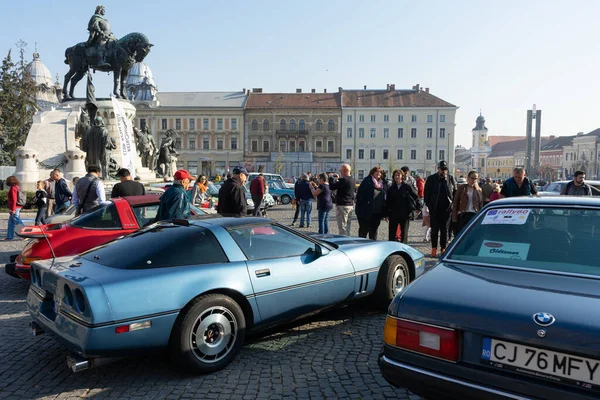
(254,125)
(330,125)
(319,125)
(266,125)
(282,125)
(292,124)
(301,125)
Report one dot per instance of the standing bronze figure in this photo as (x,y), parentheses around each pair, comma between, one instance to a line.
(167,152)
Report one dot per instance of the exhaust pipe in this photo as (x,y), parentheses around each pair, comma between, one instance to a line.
(77,363)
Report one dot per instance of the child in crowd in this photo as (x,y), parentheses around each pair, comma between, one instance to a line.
(495,192)
(41,201)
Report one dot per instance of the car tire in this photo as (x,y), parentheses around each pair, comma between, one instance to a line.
(221,323)
(285,199)
(393,277)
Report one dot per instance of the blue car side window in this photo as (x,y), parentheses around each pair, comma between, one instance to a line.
(269,241)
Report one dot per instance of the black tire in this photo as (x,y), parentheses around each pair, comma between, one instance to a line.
(393,277)
(285,199)
(220,321)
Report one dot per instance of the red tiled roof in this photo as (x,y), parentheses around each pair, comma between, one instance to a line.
(293,100)
(395,98)
(500,139)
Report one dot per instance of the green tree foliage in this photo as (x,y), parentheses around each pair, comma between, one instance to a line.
(17,105)
(278,165)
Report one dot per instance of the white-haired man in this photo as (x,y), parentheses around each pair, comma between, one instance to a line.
(345,187)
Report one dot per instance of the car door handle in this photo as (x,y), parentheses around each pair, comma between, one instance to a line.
(262,272)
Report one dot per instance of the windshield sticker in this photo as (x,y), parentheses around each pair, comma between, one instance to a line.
(515,251)
(517,216)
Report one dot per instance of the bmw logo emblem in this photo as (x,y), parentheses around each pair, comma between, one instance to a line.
(543,319)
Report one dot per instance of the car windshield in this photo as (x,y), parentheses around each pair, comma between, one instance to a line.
(549,238)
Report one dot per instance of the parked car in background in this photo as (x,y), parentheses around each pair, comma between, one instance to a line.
(521,317)
(267,176)
(236,275)
(105,223)
(555,188)
(280,192)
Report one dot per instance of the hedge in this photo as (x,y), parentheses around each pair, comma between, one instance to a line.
(4,198)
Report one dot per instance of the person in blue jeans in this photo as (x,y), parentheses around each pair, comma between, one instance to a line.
(324,202)
(14,208)
(304,195)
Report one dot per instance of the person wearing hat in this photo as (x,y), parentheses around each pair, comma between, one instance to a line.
(439,194)
(174,202)
(232,195)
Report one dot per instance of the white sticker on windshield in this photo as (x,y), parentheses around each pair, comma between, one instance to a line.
(511,216)
(515,251)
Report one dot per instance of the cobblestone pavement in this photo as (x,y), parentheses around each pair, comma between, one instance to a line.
(332,355)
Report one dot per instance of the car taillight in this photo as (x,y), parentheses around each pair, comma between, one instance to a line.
(29,260)
(426,339)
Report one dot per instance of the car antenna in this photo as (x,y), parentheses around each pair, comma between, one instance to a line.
(49,245)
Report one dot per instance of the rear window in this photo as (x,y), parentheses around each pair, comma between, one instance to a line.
(160,246)
(559,239)
(103,217)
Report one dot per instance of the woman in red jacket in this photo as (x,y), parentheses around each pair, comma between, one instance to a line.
(15,210)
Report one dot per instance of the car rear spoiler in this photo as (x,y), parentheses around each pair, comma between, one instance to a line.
(39,231)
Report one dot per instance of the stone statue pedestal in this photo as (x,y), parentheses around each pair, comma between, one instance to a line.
(27,172)
(75,165)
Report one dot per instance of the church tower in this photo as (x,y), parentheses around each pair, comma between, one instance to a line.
(481,146)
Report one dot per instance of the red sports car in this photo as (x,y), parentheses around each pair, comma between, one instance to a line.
(107,222)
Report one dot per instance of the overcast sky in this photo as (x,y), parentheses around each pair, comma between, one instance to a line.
(498,56)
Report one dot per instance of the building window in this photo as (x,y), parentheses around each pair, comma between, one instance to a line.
(386,118)
(399,154)
(349,132)
(386,154)
(205,144)
(301,125)
(192,167)
(413,154)
(266,146)
(282,125)
(301,146)
(442,155)
(255,146)
(319,146)
(430,118)
(372,118)
(361,133)
(373,132)
(192,144)
(348,154)
(400,118)
(428,154)
(192,125)
(205,124)
(234,124)
(349,118)
(413,133)
(220,144)
(386,133)
(361,154)
(292,124)
(330,125)
(233,144)
(330,146)
(178,124)
(442,133)
(163,124)
(254,125)
(142,123)
(219,124)
(442,118)
(372,154)
(400,133)
(293,146)
(266,125)
(413,118)
(282,146)
(429,133)
(319,126)
(361,118)
(361,174)
(178,143)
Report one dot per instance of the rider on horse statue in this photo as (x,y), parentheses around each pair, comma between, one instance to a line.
(100,35)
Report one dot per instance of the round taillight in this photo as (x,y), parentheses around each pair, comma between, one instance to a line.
(79,301)
(68,296)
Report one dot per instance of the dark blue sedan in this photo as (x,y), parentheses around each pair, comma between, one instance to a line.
(511,311)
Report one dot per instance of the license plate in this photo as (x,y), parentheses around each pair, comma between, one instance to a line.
(541,363)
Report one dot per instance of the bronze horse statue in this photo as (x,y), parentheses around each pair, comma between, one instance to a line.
(121,55)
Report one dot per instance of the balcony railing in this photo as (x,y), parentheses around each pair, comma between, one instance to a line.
(290,132)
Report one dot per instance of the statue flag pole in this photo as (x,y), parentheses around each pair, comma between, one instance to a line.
(125,129)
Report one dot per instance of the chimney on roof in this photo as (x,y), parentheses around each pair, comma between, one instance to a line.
(256,90)
(340,89)
(417,88)
(313,90)
(244,90)
(392,87)
(388,87)
(552,137)
(426,90)
(365,87)
(324,90)
(298,90)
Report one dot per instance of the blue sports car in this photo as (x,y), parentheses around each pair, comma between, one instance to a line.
(195,287)
(511,311)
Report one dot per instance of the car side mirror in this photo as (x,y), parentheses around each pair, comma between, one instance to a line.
(320,250)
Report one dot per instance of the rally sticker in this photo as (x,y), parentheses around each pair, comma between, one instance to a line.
(513,216)
(515,251)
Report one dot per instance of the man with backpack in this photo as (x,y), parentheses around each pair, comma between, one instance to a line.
(577,187)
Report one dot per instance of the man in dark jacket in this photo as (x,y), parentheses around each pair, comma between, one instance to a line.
(257,191)
(518,185)
(439,194)
(344,198)
(296,201)
(62,194)
(175,202)
(127,186)
(305,198)
(232,195)
(577,187)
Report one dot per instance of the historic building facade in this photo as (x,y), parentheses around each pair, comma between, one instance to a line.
(291,133)
(393,128)
(583,155)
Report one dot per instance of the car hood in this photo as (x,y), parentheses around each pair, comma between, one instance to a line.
(502,302)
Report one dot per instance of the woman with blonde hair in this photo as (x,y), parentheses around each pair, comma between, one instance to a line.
(467,201)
